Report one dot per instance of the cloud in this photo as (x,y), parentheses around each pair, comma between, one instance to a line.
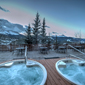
(54,32)
(47,26)
(64,31)
(3,9)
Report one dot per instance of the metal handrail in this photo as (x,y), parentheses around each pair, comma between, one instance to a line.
(76,57)
(76,50)
(25,54)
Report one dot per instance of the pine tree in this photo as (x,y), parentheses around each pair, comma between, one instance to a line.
(43,33)
(36,28)
(56,43)
(56,40)
(28,39)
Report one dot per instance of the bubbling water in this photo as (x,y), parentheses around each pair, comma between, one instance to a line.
(74,73)
(21,75)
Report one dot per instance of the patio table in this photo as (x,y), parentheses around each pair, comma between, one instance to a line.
(78,47)
(20,49)
(81,48)
(43,50)
(62,49)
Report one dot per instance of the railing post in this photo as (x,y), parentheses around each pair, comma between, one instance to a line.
(10,47)
(25,54)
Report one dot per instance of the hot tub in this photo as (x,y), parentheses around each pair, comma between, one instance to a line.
(73,70)
(17,73)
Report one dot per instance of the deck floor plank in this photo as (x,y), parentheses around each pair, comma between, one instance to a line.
(56,77)
(53,77)
(59,77)
(49,77)
(53,74)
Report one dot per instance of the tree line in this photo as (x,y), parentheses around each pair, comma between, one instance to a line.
(37,33)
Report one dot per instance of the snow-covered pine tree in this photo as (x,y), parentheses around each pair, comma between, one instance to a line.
(28,39)
(43,32)
(36,28)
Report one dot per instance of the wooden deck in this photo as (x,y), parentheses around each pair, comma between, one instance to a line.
(53,78)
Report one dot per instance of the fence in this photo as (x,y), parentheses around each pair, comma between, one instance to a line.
(30,47)
(13,47)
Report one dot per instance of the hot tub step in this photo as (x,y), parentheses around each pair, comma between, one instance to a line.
(62,64)
(79,62)
(31,63)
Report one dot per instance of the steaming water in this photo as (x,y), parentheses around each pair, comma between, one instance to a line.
(74,73)
(21,75)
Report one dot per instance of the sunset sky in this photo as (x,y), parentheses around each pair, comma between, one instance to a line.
(62,16)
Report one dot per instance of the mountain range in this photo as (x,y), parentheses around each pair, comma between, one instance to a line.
(17,30)
(7,27)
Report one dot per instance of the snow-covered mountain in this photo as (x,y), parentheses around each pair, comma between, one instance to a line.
(7,27)
(59,35)
(53,34)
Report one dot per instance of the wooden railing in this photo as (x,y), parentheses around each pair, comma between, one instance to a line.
(30,47)
(8,47)
(13,47)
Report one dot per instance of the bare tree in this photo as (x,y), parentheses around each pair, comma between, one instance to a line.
(78,35)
